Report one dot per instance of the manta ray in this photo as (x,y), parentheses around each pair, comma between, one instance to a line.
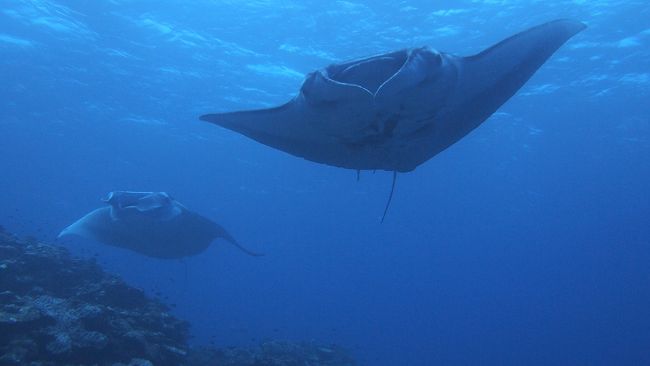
(150,223)
(396,110)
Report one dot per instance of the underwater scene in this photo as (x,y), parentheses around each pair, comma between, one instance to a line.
(288,183)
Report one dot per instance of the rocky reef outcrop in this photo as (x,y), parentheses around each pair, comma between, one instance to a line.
(59,310)
(56,309)
(273,353)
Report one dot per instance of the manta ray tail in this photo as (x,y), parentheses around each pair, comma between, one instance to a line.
(220,232)
(390,196)
(242,248)
(234,242)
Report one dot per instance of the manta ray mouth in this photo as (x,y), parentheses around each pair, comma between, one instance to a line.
(369,73)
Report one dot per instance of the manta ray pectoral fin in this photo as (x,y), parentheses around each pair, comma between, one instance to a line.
(271,126)
(280,127)
(491,77)
(285,128)
(89,225)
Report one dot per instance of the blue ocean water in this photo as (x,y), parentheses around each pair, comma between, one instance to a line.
(528,242)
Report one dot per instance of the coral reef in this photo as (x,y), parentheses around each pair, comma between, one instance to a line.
(60,310)
(274,353)
(55,309)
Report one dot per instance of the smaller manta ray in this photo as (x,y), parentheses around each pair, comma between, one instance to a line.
(150,223)
(396,110)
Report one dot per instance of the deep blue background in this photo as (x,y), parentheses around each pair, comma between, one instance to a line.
(528,242)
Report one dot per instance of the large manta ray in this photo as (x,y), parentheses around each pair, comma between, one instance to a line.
(150,223)
(395,111)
